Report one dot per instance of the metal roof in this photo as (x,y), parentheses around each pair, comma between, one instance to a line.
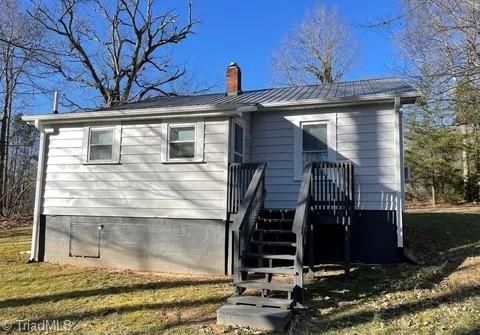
(349,90)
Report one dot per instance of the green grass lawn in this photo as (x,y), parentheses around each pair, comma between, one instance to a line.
(442,297)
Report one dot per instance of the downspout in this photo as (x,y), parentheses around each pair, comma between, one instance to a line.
(35,246)
(400,178)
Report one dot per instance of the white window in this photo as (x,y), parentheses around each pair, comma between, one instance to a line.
(181,141)
(102,145)
(314,142)
(238,143)
(184,142)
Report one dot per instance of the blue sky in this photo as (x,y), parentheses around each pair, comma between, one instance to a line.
(248,31)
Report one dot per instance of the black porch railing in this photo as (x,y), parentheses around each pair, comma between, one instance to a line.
(332,188)
(327,189)
(239,177)
(250,204)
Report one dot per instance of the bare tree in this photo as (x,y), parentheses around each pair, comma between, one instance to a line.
(441,45)
(321,49)
(121,49)
(16,64)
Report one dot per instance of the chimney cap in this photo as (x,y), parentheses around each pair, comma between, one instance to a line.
(233,64)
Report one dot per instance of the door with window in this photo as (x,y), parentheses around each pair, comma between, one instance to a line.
(238,143)
(314,142)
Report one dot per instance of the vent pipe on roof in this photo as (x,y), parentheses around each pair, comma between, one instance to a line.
(234,79)
(55,102)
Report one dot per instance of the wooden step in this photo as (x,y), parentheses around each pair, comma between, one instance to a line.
(273,270)
(274,231)
(275,243)
(268,220)
(272,256)
(266,318)
(260,302)
(265,286)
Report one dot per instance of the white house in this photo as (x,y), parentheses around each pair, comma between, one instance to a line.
(212,183)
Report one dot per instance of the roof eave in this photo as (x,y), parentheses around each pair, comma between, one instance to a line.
(133,114)
(405,98)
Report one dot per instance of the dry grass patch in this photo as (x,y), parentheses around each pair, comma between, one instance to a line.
(442,297)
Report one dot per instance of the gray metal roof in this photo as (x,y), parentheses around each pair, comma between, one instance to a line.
(350,90)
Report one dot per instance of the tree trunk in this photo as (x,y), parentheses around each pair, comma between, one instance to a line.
(3,149)
(434,196)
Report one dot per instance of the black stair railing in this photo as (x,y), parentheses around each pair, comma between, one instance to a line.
(301,228)
(244,221)
(332,188)
(239,177)
(326,190)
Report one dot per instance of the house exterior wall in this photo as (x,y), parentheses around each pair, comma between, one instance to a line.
(365,135)
(143,244)
(141,185)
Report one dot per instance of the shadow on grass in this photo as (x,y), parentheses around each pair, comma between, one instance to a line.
(469,331)
(77,317)
(107,291)
(16,232)
(442,240)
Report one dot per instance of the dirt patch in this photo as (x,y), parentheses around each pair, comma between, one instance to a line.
(15,222)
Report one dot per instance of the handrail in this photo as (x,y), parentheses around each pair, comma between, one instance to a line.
(239,177)
(244,221)
(326,188)
(301,228)
(301,212)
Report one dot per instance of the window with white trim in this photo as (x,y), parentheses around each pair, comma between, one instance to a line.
(238,143)
(181,141)
(184,142)
(314,142)
(102,145)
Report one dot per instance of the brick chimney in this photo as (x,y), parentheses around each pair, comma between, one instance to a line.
(234,79)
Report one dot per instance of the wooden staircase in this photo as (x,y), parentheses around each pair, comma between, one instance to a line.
(268,273)
(266,246)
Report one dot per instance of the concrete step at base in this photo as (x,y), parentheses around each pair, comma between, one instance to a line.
(264,318)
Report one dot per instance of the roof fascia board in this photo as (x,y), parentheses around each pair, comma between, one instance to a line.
(135,114)
(338,102)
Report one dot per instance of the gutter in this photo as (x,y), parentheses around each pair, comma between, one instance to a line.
(211,110)
(140,114)
(405,98)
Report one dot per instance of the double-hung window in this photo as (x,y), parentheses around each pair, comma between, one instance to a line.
(181,141)
(184,142)
(102,145)
(314,142)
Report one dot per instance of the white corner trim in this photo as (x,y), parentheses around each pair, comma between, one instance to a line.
(330,119)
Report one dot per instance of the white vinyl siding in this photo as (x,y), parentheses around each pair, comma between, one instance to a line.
(141,185)
(364,135)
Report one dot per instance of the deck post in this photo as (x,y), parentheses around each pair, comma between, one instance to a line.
(311,249)
(346,225)
(299,269)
